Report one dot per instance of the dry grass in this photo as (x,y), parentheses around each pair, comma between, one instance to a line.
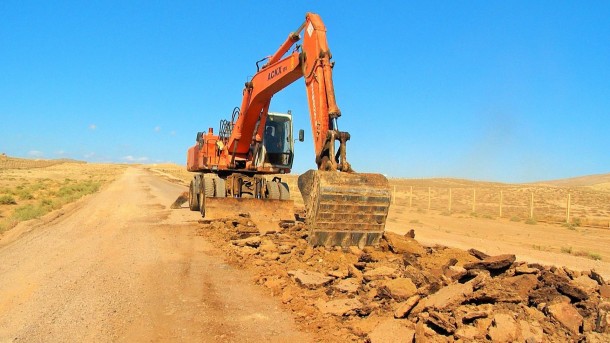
(31,192)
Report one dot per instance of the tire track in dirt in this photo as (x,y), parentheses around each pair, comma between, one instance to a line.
(124,268)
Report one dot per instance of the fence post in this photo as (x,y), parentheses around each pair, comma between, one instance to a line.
(429,198)
(411,197)
(501,199)
(449,200)
(568,209)
(531,205)
(474,200)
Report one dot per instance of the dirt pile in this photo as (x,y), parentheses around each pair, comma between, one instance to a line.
(402,291)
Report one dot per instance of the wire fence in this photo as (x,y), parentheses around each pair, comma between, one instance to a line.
(579,207)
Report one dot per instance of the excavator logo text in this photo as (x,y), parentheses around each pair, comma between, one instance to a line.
(275,72)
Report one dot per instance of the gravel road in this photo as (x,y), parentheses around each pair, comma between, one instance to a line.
(122,266)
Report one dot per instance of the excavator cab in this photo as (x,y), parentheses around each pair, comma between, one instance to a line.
(278,142)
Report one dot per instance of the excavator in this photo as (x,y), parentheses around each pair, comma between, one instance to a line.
(234,166)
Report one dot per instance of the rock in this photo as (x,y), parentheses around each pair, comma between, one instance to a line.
(544,295)
(521,284)
(572,274)
(268,247)
(276,285)
(586,284)
(572,291)
(287,296)
(494,292)
(379,273)
(338,273)
(398,289)
(354,250)
(246,251)
(478,254)
(469,333)
(403,245)
(503,328)
(390,331)
(455,272)
(482,277)
(492,262)
(531,331)
(246,228)
(308,279)
(284,249)
(567,315)
(354,272)
(442,321)
(307,254)
(471,316)
(253,241)
(349,286)
(594,337)
(403,309)
(451,295)
(597,277)
(271,256)
(526,270)
(340,307)
(535,314)
(602,324)
(366,258)
(604,291)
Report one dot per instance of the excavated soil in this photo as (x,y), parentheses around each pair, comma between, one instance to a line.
(402,291)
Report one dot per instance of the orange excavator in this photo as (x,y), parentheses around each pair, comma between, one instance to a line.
(342,207)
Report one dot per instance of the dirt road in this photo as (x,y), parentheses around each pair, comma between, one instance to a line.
(121,266)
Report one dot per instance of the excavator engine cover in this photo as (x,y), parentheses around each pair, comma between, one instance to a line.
(345,209)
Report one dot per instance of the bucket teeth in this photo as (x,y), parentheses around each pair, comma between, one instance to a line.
(345,208)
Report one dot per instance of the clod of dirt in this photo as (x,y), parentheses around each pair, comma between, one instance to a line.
(309,279)
(379,273)
(403,309)
(403,244)
(503,328)
(492,262)
(340,307)
(567,315)
(399,289)
(391,331)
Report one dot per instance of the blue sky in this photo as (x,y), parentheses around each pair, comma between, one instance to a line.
(505,91)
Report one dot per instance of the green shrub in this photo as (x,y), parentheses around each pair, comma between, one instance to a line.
(7,200)
(73,192)
(515,219)
(531,221)
(24,194)
(28,212)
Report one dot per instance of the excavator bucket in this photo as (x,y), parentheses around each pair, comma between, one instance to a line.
(345,209)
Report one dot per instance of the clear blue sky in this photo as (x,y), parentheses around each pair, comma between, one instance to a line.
(506,91)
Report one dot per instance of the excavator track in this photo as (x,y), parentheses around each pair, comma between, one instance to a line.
(345,209)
